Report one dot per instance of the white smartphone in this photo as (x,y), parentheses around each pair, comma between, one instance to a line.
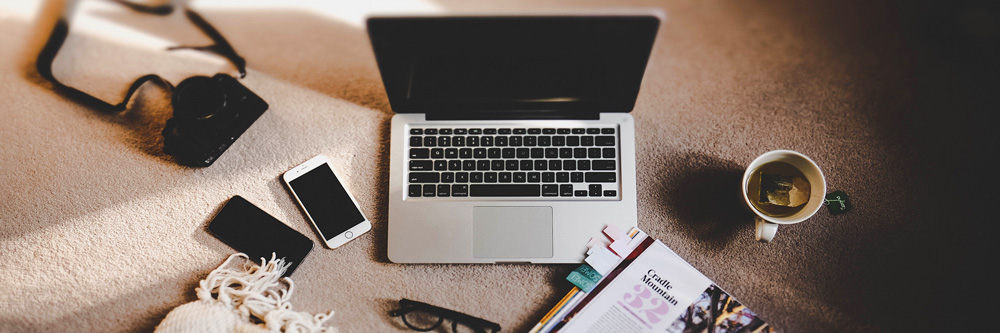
(327,203)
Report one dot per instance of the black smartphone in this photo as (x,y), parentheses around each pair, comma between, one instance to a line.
(249,229)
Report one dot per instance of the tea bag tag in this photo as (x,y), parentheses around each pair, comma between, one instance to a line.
(837,202)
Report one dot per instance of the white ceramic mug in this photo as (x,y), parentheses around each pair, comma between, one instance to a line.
(766,225)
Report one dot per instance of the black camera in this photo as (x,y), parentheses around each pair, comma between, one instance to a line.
(210,113)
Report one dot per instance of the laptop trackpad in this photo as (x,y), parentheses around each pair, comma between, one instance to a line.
(512,232)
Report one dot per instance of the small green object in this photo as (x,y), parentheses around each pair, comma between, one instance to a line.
(584,277)
(589,272)
(581,281)
(837,203)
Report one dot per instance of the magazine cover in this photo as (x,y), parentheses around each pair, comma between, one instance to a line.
(651,289)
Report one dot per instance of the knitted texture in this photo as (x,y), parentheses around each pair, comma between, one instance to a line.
(251,298)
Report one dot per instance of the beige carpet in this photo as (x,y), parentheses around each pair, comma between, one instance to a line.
(99,231)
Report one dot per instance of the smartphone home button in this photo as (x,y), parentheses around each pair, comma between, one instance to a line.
(349,235)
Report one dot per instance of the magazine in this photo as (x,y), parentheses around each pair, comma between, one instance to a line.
(650,289)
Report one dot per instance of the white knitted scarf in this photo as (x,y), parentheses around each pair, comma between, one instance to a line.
(251,299)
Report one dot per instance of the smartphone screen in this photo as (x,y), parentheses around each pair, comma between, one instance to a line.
(326,201)
(249,229)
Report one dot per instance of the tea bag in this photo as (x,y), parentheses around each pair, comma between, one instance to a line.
(783,190)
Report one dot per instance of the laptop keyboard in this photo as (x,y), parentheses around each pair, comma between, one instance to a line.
(546,163)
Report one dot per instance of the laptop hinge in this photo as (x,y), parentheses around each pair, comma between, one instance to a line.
(513,115)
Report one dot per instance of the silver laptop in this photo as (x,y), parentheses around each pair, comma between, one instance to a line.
(512,139)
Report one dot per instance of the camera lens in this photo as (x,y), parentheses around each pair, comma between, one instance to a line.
(198,97)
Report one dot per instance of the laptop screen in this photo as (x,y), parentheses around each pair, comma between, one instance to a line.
(504,63)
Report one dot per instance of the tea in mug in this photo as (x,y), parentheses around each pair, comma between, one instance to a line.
(778,189)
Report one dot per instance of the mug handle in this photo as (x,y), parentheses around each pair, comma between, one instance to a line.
(765,230)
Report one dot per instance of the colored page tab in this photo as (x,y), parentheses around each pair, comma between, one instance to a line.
(602,260)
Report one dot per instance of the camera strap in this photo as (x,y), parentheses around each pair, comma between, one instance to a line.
(59,33)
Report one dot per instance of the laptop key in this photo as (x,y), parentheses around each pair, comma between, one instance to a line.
(595,190)
(550,190)
(608,152)
(475,177)
(437,153)
(430,141)
(562,177)
(576,177)
(593,131)
(600,177)
(425,177)
(460,190)
(416,141)
(505,190)
(431,131)
(604,141)
(534,177)
(451,153)
(505,177)
(447,177)
(429,190)
(607,131)
(444,190)
(610,193)
(415,190)
(461,177)
(440,165)
(420,153)
(603,164)
(580,193)
(566,190)
(416,131)
(520,177)
(422,165)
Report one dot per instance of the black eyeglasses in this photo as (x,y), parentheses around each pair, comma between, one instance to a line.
(424,317)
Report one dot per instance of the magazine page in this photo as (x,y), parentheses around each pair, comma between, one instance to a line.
(649,295)
(660,292)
